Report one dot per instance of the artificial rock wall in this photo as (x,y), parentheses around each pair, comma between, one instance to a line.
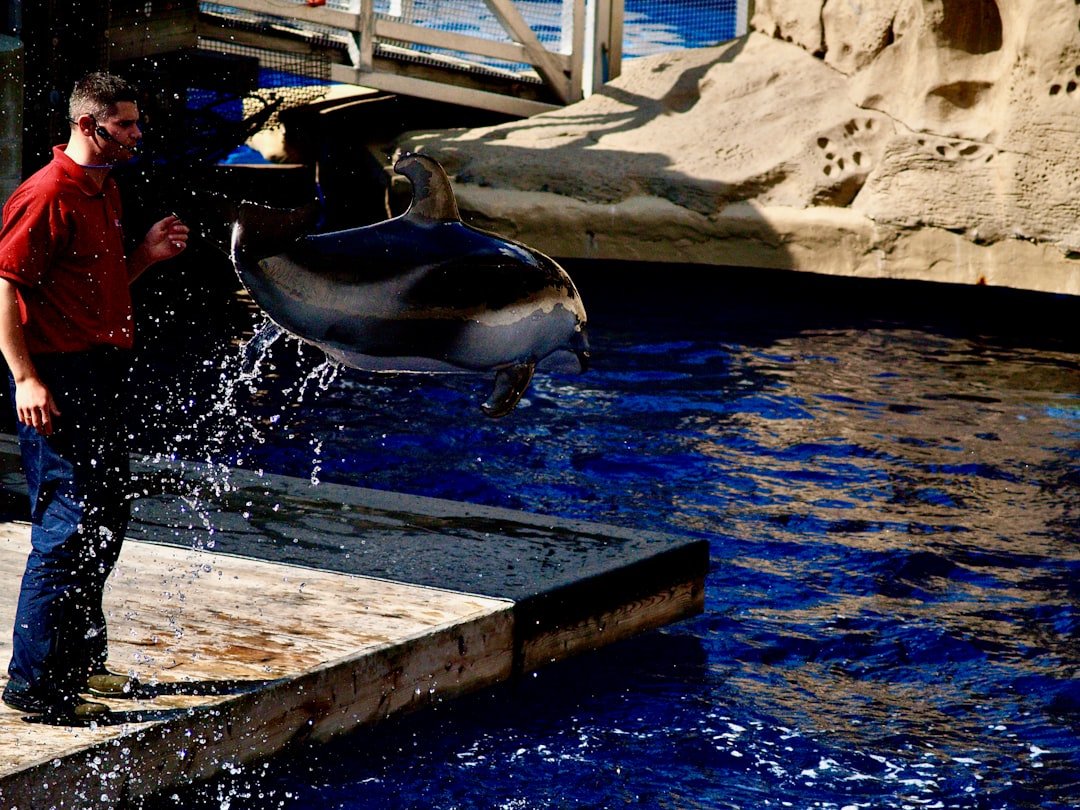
(927,139)
(11,118)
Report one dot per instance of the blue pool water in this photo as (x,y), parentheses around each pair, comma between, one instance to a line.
(888,479)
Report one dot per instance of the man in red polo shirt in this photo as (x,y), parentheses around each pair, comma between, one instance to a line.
(66,334)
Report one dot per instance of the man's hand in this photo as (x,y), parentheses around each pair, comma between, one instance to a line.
(34,405)
(165,239)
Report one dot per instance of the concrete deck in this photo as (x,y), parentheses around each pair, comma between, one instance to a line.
(239,657)
(242,650)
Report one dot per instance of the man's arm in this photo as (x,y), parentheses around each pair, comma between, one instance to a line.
(164,240)
(34,404)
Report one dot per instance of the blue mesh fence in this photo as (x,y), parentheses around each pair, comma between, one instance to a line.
(650,26)
(653,26)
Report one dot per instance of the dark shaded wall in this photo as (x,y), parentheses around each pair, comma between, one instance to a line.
(62,39)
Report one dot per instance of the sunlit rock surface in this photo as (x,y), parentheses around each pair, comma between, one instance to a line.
(923,139)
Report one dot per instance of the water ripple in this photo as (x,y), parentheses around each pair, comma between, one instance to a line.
(893,608)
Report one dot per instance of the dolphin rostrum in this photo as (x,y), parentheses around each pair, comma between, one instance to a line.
(420,292)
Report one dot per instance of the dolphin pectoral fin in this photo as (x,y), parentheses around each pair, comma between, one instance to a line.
(511,383)
(259,231)
(255,348)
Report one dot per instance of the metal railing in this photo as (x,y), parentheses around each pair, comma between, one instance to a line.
(513,56)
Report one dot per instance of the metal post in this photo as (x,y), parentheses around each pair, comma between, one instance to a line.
(578,61)
(366,59)
(566,26)
(743,11)
(617,16)
(603,36)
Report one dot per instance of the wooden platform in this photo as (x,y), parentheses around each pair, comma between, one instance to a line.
(242,650)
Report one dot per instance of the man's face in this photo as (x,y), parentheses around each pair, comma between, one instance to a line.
(124,133)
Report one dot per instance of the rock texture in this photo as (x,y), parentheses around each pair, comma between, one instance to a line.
(928,139)
(11,122)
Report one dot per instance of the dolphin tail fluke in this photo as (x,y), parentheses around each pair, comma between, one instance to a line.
(511,383)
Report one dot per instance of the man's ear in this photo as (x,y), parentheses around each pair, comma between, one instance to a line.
(86,124)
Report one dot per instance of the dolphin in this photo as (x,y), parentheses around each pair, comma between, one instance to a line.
(420,292)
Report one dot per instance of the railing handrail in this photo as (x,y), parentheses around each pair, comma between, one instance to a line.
(564,74)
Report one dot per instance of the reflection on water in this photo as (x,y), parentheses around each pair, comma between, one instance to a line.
(892,614)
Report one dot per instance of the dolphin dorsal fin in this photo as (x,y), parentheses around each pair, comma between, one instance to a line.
(433,198)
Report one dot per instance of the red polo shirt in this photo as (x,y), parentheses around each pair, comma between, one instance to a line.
(62,245)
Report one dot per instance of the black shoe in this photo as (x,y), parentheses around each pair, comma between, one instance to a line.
(111,685)
(55,708)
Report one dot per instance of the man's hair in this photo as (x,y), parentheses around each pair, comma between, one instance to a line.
(98,94)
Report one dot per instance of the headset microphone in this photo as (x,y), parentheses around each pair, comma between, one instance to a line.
(106,135)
